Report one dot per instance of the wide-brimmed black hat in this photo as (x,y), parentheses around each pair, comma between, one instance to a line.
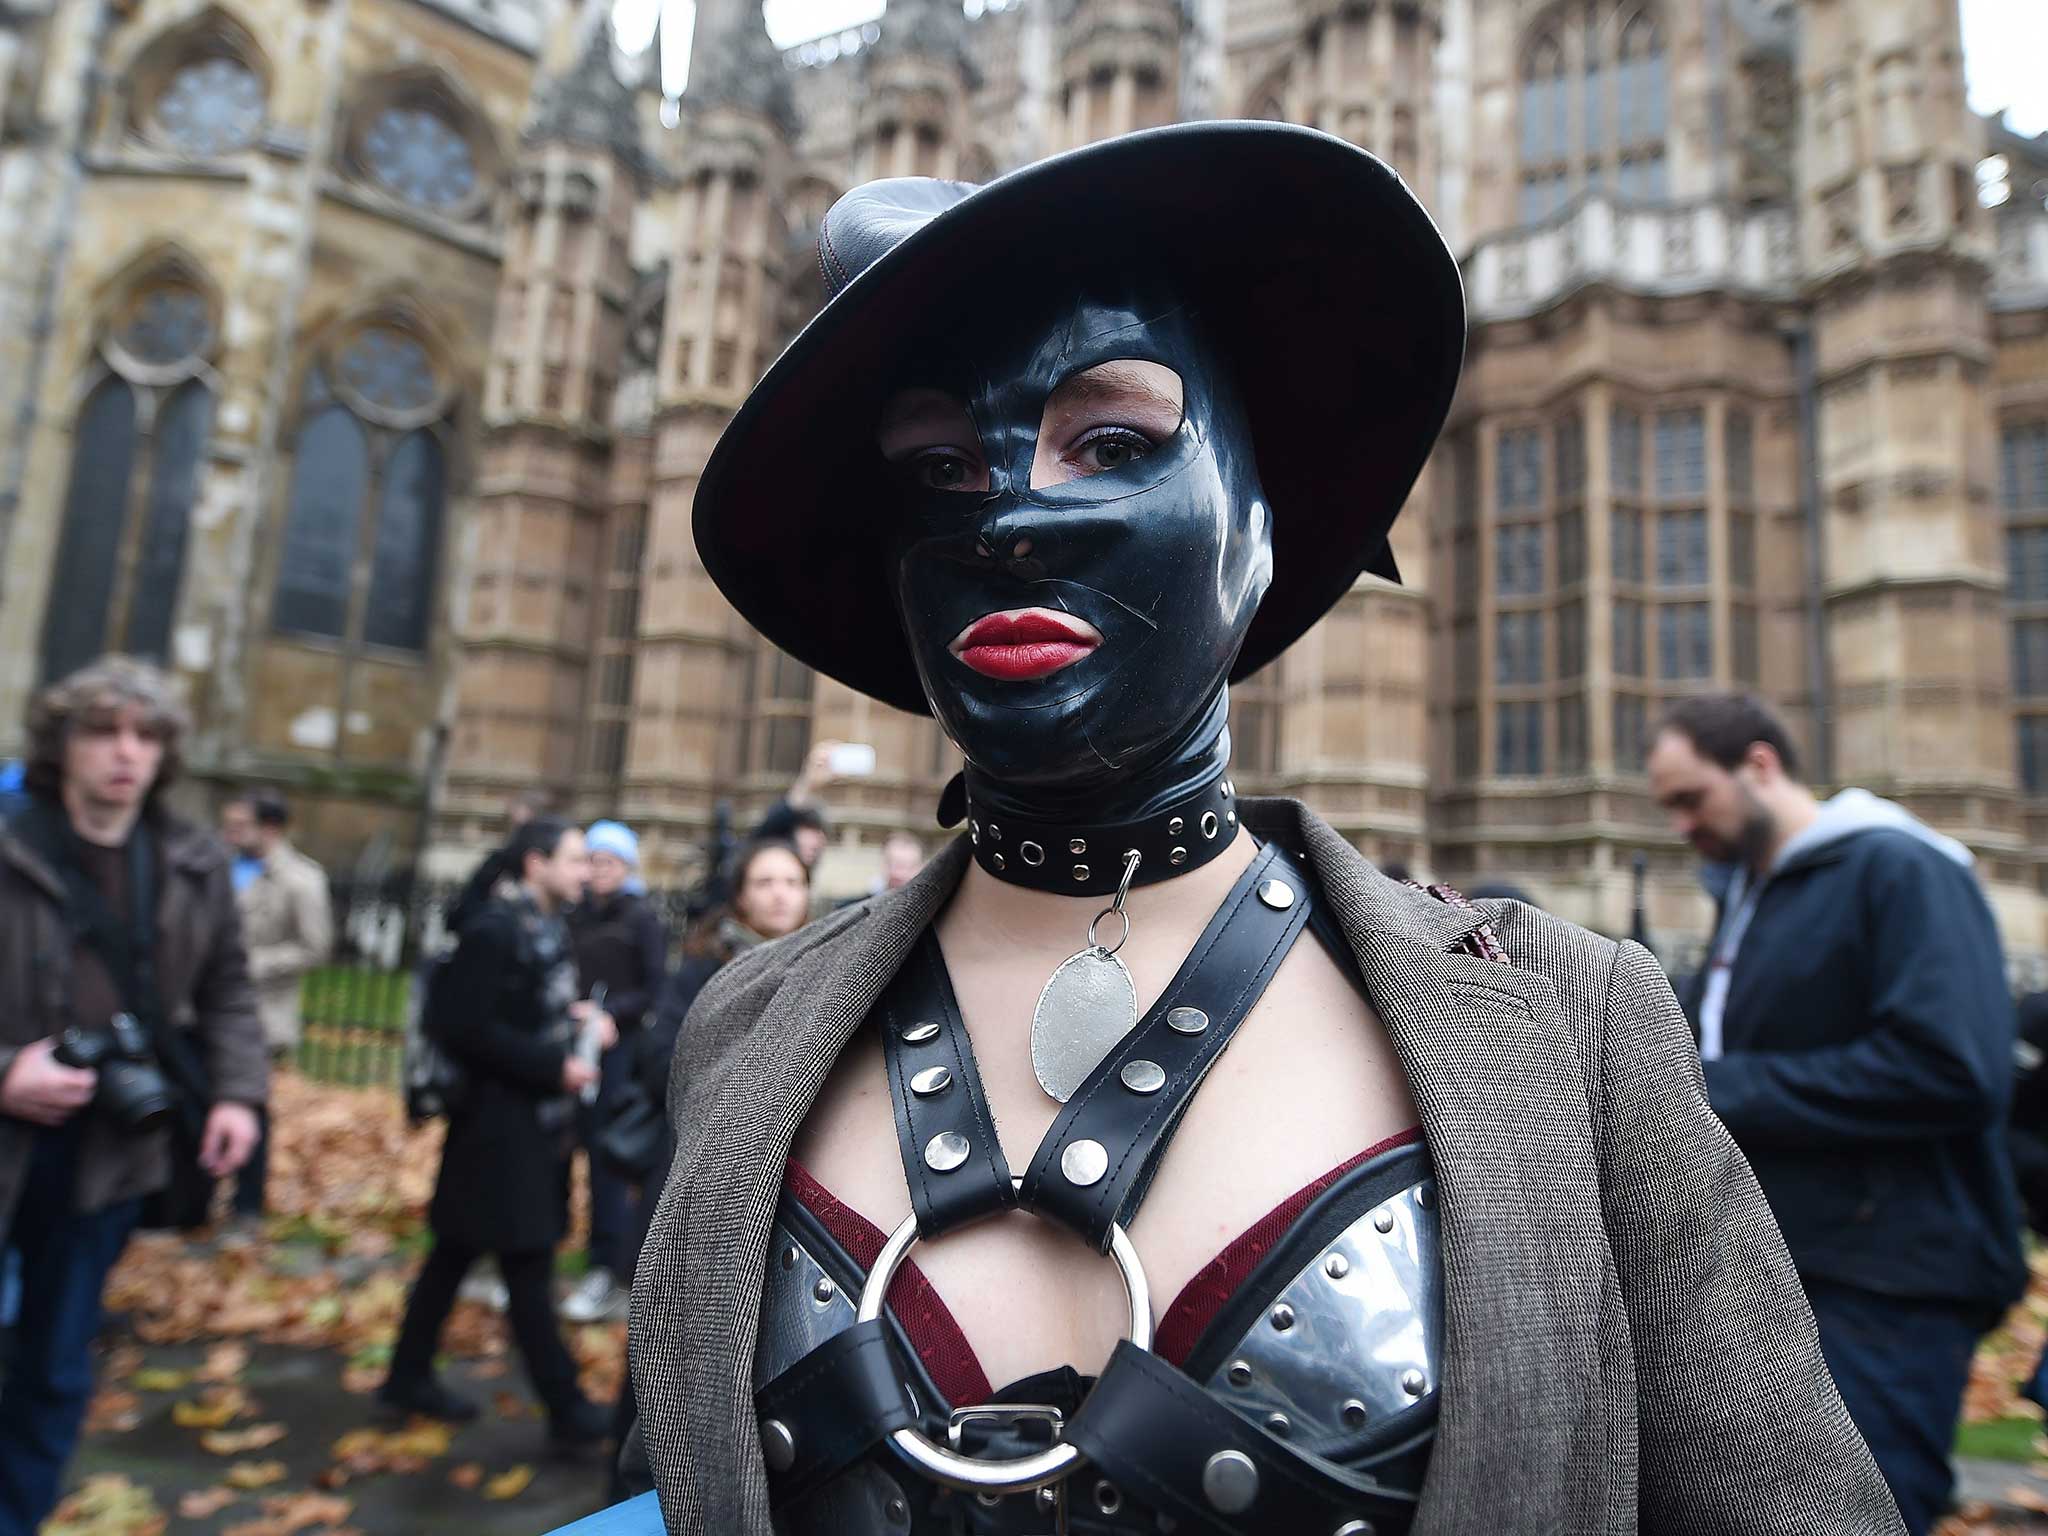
(1337,308)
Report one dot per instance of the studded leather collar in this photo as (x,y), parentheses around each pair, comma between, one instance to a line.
(1084,859)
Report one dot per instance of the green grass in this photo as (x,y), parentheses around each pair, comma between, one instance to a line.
(1999,1440)
(356,996)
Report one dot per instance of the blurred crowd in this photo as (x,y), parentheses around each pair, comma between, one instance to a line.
(1855,1032)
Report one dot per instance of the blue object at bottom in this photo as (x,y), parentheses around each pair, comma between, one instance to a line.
(635,1517)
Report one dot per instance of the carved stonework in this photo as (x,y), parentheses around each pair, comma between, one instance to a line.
(1767,130)
(1680,245)
(588,104)
(1901,197)
(1839,221)
(738,66)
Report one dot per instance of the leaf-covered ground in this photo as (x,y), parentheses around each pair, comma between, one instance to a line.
(233,1389)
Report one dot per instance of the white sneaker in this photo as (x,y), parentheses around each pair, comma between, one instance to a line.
(488,1289)
(597,1298)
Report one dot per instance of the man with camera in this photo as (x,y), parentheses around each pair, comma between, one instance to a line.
(130,1047)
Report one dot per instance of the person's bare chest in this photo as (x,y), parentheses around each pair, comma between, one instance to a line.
(1308,1081)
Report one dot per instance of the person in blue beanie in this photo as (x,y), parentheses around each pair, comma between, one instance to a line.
(622,946)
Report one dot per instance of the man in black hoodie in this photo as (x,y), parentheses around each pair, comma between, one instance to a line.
(1857,1039)
(621,946)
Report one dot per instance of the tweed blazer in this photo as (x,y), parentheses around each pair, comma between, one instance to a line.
(1626,1345)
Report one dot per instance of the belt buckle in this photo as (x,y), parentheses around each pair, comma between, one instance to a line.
(1050,1498)
(1003,1414)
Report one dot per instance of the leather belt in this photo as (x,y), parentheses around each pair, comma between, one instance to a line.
(831,1408)
(1159,1436)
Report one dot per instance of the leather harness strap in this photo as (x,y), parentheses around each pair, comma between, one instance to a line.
(1157,1434)
(1126,1111)
(952,1158)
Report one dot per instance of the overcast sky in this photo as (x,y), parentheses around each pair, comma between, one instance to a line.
(2005,54)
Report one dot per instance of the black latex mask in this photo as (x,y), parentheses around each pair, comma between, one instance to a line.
(1166,554)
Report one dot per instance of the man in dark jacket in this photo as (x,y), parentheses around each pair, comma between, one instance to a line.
(107,906)
(622,947)
(511,1018)
(1858,1041)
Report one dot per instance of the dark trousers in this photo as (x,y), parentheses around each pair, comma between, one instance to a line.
(1901,1367)
(530,1309)
(611,1195)
(65,1257)
(255,1174)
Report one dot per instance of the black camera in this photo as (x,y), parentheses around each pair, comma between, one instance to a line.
(132,1090)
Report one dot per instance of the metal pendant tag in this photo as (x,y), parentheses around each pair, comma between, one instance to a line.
(1086,1008)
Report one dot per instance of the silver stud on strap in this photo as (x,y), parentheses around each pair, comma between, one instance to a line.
(1383,1221)
(1084,1162)
(995,833)
(778,1445)
(997,862)
(1278,1424)
(1354,1413)
(1186,1021)
(1173,827)
(1228,789)
(1277,894)
(1177,857)
(945,1152)
(824,1290)
(1282,1317)
(1355,1528)
(1230,1482)
(1080,873)
(1142,1076)
(1414,1383)
(930,1081)
(1077,845)
(1336,1266)
(920,1033)
(1239,1374)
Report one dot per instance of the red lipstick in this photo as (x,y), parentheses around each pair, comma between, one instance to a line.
(1024,643)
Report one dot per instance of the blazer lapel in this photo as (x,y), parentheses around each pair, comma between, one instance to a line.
(1502,1093)
(732,1184)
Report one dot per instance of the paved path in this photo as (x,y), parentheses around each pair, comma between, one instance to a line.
(302,1389)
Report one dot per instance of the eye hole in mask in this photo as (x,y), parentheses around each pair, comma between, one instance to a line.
(1100,419)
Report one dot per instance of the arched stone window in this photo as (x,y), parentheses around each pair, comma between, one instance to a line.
(368,498)
(137,442)
(1642,111)
(414,139)
(200,90)
(1606,131)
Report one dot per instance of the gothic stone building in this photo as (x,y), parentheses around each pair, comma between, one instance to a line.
(359,358)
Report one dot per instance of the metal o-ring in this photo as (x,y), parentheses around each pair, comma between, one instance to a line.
(1019,1474)
(1031,854)
(1208,823)
(1121,941)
